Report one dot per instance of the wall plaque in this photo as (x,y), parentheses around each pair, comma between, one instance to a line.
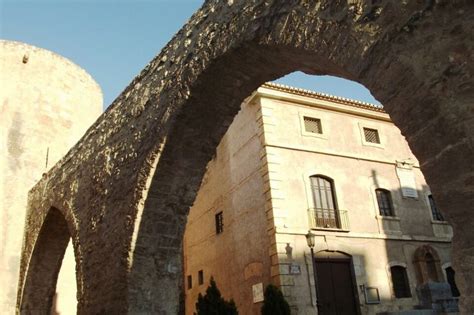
(407,181)
(371,295)
(257,290)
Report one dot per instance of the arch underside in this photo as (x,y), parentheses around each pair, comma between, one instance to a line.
(142,162)
(44,265)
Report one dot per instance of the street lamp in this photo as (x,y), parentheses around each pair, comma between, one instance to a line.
(310,238)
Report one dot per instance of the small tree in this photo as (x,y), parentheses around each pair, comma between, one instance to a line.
(212,302)
(274,303)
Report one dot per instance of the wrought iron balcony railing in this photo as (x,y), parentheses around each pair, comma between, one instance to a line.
(328,219)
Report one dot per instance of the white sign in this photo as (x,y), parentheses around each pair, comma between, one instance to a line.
(257,290)
(407,182)
(295,269)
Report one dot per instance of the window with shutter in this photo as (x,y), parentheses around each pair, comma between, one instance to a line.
(371,135)
(190,282)
(452,282)
(200,277)
(384,201)
(219,222)
(436,214)
(325,210)
(401,286)
(312,125)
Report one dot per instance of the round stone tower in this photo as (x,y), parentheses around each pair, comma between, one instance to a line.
(46,104)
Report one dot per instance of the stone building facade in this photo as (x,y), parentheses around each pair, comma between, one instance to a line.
(46,105)
(295,161)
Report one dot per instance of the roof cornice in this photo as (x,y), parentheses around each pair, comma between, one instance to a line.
(323,96)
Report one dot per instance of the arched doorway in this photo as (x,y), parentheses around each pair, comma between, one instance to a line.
(427,265)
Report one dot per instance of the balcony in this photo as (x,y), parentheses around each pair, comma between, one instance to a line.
(328,219)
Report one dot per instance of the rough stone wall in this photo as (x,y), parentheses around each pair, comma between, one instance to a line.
(125,189)
(46,105)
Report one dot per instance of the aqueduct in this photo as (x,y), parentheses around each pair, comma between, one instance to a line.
(123,192)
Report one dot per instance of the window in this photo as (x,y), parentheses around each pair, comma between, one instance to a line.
(371,135)
(452,282)
(401,286)
(384,201)
(437,216)
(219,223)
(324,202)
(312,125)
(190,282)
(200,277)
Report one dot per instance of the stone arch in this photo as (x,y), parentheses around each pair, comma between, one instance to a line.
(427,265)
(45,262)
(333,254)
(174,179)
(142,162)
(284,42)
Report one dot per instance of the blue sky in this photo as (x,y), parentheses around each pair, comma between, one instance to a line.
(114,39)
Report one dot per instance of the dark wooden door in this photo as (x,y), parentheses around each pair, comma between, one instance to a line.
(336,287)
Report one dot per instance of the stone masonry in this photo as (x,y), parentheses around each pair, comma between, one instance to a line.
(125,189)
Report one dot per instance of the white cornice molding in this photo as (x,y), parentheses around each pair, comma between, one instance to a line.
(320,100)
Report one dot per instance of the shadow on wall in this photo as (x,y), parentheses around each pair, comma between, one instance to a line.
(420,268)
(389,273)
(223,236)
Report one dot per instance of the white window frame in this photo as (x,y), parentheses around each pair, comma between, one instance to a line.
(369,125)
(324,127)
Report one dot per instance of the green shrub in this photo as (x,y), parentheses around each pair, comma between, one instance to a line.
(274,303)
(212,302)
